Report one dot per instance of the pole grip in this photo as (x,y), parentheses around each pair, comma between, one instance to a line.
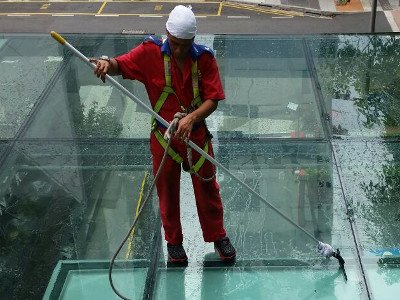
(57,37)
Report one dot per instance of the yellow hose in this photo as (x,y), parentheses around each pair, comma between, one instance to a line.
(128,251)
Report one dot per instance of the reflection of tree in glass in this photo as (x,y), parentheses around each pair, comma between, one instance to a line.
(383,210)
(368,66)
(98,121)
(35,233)
(388,268)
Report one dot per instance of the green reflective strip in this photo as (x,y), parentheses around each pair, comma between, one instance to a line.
(201,160)
(163,97)
(168,81)
(167,70)
(196,102)
(175,156)
(167,89)
(160,102)
(195,80)
(196,93)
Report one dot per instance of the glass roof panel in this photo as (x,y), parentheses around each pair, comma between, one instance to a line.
(370,171)
(26,66)
(272,252)
(308,135)
(269,88)
(290,110)
(258,283)
(359,82)
(73,201)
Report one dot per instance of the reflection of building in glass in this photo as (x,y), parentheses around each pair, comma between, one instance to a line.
(264,80)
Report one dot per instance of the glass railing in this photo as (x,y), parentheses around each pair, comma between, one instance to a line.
(310,124)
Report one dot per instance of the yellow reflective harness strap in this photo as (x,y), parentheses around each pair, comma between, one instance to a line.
(164,94)
(163,97)
(195,80)
(201,160)
(175,156)
(167,70)
(196,102)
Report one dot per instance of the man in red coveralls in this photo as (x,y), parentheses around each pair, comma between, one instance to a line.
(179,76)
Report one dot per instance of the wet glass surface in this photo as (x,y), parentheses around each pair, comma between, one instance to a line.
(287,175)
(370,171)
(308,134)
(26,67)
(72,201)
(3,147)
(358,78)
(384,279)
(269,87)
(89,280)
(258,283)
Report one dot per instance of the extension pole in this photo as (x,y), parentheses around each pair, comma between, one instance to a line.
(116,84)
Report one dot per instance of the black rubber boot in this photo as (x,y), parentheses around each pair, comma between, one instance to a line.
(176,253)
(225,249)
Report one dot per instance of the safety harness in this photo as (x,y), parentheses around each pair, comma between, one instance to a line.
(196,102)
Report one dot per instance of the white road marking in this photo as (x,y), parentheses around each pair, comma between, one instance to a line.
(106,15)
(238,17)
(150,16)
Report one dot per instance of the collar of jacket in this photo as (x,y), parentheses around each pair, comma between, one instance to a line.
(195,50)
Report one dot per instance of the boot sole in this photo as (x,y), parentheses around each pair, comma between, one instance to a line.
(179,260)
(225,257)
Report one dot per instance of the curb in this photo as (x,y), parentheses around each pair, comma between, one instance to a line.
(304,10)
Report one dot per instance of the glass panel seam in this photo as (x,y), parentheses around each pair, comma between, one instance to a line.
(42,97)
(317,90)
(351,223)
(328,135)
(152,271)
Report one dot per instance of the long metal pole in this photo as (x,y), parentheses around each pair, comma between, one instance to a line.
(115,83)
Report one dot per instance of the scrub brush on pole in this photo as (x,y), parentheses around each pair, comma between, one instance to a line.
(328,251)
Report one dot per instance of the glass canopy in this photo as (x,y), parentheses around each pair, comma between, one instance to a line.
(310,124)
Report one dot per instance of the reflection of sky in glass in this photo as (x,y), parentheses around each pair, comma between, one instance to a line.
(310,124)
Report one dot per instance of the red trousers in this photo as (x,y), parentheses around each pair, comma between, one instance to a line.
(208,199)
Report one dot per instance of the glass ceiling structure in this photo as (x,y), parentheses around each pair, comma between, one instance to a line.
(311,123)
